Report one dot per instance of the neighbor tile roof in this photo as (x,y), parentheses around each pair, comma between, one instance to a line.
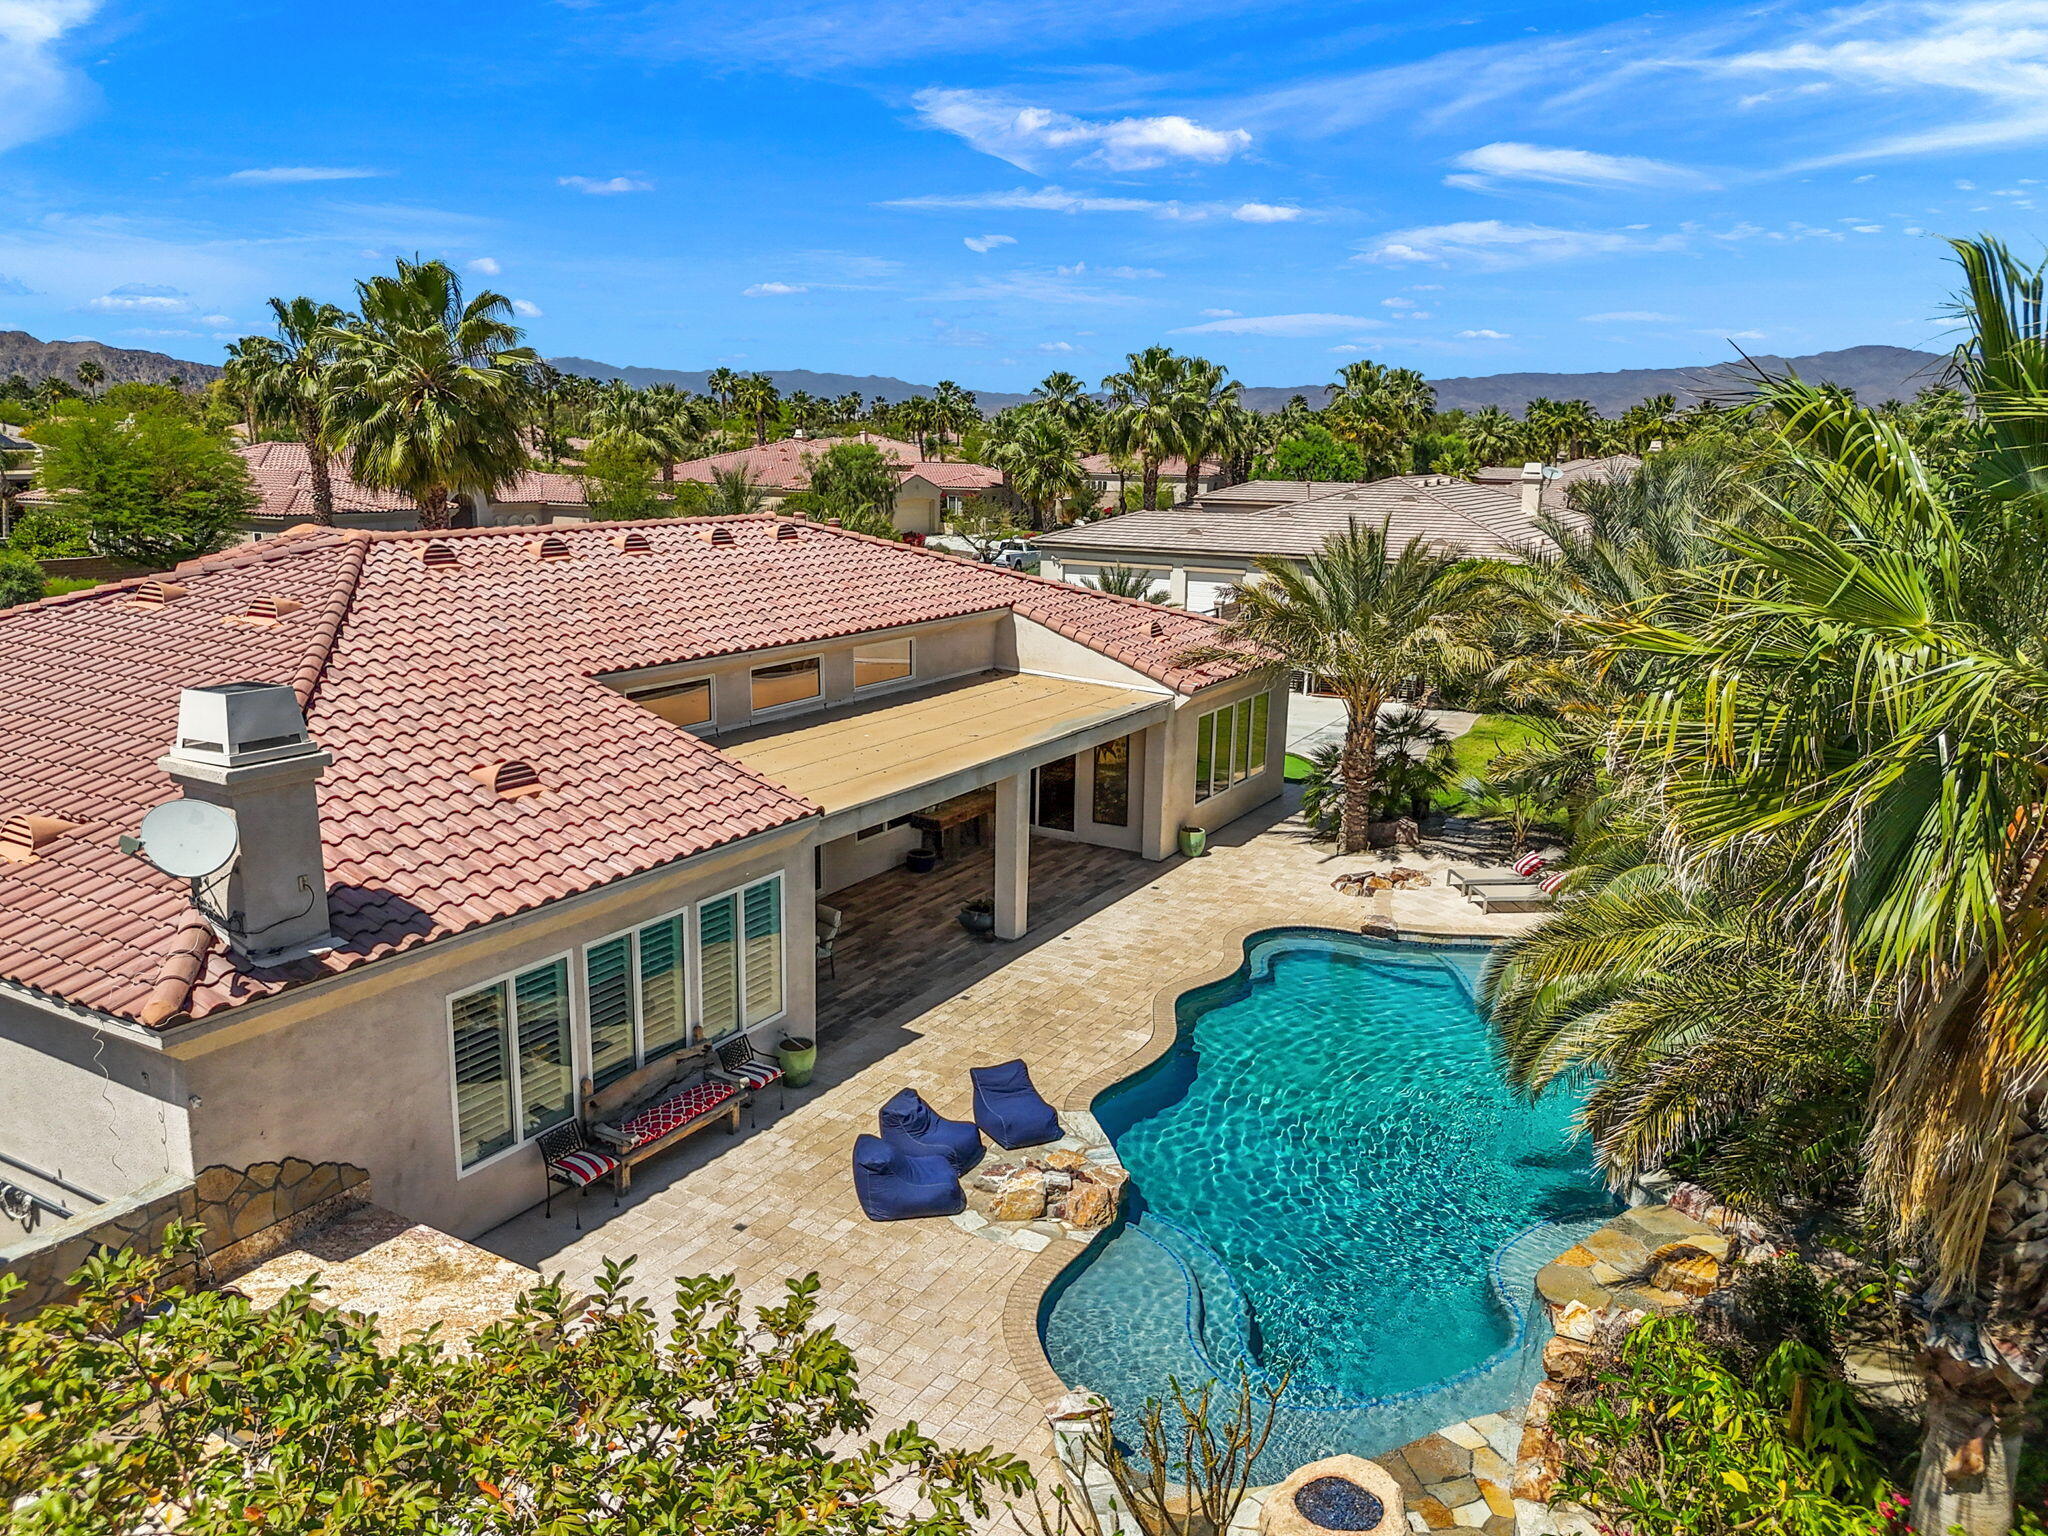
(1172,468)
(1453,515)
(1561,477)
(283,477)
(779,466)
(413,676)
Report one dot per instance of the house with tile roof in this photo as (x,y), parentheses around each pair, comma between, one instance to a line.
(1547,487)
(1107,481)
(928,491)
(513,809)
(1203,550)
(283,478)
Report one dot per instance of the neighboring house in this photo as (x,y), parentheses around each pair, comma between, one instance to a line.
(283,477)
(1104,479)
(928,492)
(1202,551)
(1543,487)
(516,806)
(17,471)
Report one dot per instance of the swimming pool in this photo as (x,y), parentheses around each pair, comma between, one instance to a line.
(1330,1181)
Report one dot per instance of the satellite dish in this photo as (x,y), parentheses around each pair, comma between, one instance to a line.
(190,838)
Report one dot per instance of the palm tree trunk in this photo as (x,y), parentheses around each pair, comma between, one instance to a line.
(1356,764)
(1191,481)
(1967,1462)
(434,509)
(1151,481)
(316,464)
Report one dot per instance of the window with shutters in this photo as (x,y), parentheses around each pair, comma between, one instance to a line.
(514,1060)
(763,959)
(664,1004)
(611,994)
(718,965)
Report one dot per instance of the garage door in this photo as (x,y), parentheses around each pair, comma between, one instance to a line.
(1209,590)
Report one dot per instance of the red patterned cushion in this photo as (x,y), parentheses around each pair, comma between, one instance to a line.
(584,1165)
(675,1111)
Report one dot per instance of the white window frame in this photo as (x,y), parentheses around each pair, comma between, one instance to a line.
(578,1030)
(794,706)
(904,681)
(710,682)
(586,1046)
(739,895)
(1249,706)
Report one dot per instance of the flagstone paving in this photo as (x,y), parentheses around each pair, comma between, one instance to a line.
(921,1302)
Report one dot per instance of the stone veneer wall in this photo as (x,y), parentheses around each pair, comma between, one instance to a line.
(247,1213)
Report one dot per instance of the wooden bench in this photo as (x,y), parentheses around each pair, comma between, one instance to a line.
(673,1096)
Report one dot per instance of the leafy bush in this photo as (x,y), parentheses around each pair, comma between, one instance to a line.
(1414,761)
(21,578)
(152,487)
(144,1405)
(1312,452)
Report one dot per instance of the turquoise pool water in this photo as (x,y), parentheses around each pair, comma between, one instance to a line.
(1330,1181)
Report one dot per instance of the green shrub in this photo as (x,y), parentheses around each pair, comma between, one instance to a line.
(21,578)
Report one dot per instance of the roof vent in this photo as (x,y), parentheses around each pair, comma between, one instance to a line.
(718,533)
(551,547)
(154,594)
(633,542)
(262,612)
(787,533)
(1158,629)
(23,837)
(508,780)
(438,555)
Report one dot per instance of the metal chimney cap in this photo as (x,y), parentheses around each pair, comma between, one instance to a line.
(233,724)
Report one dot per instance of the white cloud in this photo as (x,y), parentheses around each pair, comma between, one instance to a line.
(1735,335)
(607,187)
(987,242)
(1280,325)
(1057,346)
(528,308)
(1629,317)
(1081,268)
(1220,314)
(1397,303)
(43,91)
(772,290)
(142,299)
(1266,213)
(285,175)
(486,265)
(1034,138)
(1483,335)
(1044,200)
(1509,161)
(1491,244)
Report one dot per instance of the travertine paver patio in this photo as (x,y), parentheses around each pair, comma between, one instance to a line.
(921,1302)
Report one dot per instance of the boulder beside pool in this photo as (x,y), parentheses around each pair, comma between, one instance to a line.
(1338,1493)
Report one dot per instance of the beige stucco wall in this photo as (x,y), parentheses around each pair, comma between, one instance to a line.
(359,1069)
(1179,803)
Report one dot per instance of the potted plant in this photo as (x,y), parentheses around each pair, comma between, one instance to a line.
(979,916)
(1193,840)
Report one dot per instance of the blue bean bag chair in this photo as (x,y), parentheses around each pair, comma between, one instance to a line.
(895,1185)
(1012,1111)
(910,1123)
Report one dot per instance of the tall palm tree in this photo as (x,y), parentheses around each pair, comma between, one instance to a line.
(91,375)
(1867,705)
(1062,395)
(719,384)
(291,377)
(1369,622)
(755,396)
(1146,409)
(245,359)
(429,389)
(1041,460)
(1496,436)
(953,409)
(1205,402)
(654,427)
(1380,408)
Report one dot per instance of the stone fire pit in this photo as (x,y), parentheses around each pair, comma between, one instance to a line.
(1338,1493)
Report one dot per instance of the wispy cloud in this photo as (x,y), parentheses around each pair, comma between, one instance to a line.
(1266,213)
(1629,317)
(772,290)
(1280,325)
(142,299)
(43,90)
(1493,245)
(486,266)
(527,308)
(1484,167)
(284,175)
(1484,335)
(1058,199)
(610,186)
(1034,138)
(986,243)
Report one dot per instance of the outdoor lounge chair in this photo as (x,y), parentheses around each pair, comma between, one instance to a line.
(1524,870)
(566,1157)
(1010,1109)
(741,1060)
(1525,896)
(893,1184)
(910,1123)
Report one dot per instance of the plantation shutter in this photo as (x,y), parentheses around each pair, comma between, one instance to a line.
(608,975)
(540,1008)
(764,950)
(483,1075)
(719,964)
(664,1015)
(1205,753)
(1260,706)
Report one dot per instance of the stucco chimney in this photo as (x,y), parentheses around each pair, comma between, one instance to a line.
(244,746)
(1532,488)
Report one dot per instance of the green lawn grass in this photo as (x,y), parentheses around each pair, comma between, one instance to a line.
(60,584)
(1472,752)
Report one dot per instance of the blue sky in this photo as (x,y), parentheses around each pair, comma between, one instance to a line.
(988,189)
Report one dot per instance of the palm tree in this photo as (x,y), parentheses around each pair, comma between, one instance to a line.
(1865,706)
(755,397)
(91,375)
(953,409)
(1205,402)
(245,360)
(719,384)
(655,427)
(1129,581)
(291,375)
(1380,408)
(1062,395)
(1370,623)
(1146,410)
(429,389)
(1496,436)
(1041,460)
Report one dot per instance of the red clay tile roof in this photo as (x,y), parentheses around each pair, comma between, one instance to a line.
(414,674)
(780,465)
(285,482)
(1172,468)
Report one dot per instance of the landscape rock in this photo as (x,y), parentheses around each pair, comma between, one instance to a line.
(1020,1198)
(1685,1269)
(1090,1205)
(1065,1160)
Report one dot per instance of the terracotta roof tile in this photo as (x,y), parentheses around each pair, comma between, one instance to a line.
(414,676)
(780,465)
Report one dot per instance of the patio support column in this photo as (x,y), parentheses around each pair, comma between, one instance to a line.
(1155,819)
(1013,855)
